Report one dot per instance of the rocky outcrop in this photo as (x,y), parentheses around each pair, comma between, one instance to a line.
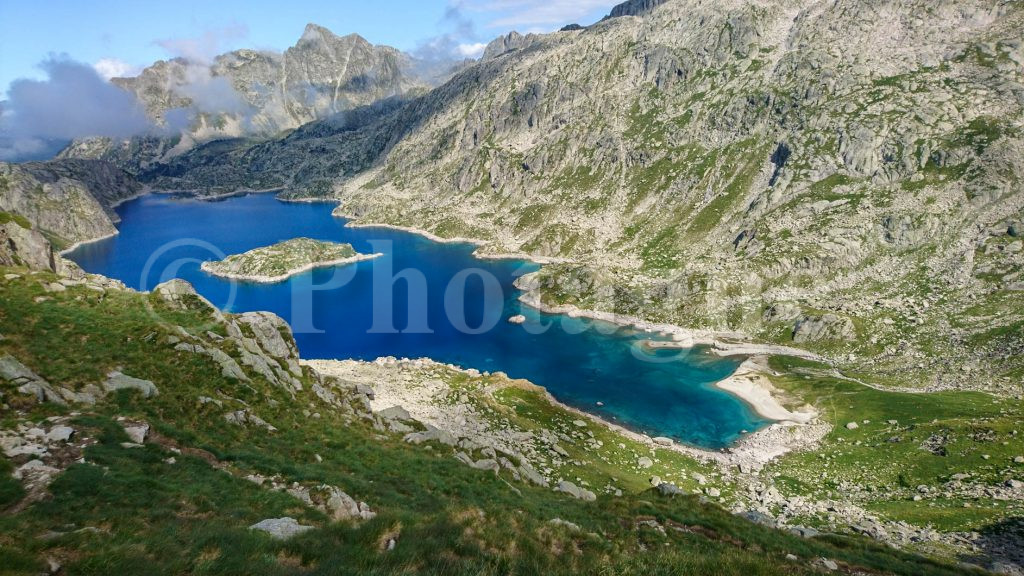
(508,43)
(634,8)
(68,200)
(20,246)
(825,327)
(117,381)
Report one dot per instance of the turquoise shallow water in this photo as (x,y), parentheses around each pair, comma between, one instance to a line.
(581,362)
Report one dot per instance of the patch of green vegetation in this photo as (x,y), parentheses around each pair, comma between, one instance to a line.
(933,437)
(18,219)
(738,167)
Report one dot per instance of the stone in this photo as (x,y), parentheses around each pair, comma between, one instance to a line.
(517,319)
(804,531)
(487,464)
(644,462)
(829,564)
(117,381)
(670,490)
(531,475)
(182,295)
(1018,460)
(395,413)
(431,434)
(137,433)
(1014,484)
(60,434)
(852,426)
(663,441)
(713,492)
(575,491)
(280,528)
(341,506)
(579,423)
(270,331)
(34,470)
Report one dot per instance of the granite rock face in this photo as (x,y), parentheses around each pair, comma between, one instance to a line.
(20,246)
(69,200)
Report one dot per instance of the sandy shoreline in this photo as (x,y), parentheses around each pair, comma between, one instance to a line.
(81,243)
(294,272)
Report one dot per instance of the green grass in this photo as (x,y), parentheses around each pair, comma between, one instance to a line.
(6,217)
(889,457)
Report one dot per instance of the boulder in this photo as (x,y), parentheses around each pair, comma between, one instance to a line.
(280,528)
(341,506)
(137,433)
(575,491)
(180,294)
(670,490)
(531,475)
(28,382)
(429,435)
(60,434)
(117,381)
(663,441)
(852,426)
(270,332)
(644,462)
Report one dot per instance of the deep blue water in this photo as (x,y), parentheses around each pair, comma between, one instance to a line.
(581,362)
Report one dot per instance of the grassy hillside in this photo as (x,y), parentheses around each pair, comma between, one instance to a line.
(180,503)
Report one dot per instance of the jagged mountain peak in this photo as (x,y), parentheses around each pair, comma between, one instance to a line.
(317,34)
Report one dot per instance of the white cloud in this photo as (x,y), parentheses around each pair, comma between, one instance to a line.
(74,101)
(206,46)
(474,50)
(114,68)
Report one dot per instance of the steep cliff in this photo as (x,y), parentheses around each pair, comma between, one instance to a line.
(69,201)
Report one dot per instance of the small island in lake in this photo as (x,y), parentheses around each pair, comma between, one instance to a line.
(283,260)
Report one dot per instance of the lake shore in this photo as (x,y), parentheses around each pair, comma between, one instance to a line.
(353,223)
(258,279)
(745,384)
(748,453)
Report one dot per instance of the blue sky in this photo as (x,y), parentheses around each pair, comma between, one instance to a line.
(121,36)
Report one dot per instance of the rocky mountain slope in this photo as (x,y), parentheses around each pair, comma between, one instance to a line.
(796,172)
(67,200)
